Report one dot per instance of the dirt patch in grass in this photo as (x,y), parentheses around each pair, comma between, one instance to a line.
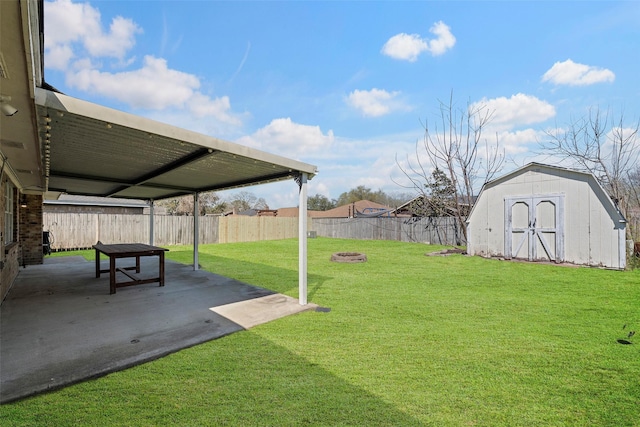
(446,252)
(349,257)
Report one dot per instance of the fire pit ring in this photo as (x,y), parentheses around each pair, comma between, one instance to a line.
(350,257)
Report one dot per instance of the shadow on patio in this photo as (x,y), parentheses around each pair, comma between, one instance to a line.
(59,325)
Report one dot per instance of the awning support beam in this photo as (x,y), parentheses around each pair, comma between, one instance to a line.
(151,221)
(190,158)
(302,241)
(196,231)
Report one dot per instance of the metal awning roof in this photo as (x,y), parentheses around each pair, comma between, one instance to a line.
(93,150)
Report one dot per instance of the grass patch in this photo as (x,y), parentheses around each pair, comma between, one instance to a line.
(410,340)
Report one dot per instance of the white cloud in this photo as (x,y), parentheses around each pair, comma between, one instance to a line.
(345,164)
(320,188)
(518,142)
(69,22)
(510,124)
(59,56)
(75,43)
(375,102)
(625,136)
(520,109)
(119,40)
(445,41)
(405,46)
(80,24)
(203,106)
(574,74)
(409,46)
(154,86)
(286,138)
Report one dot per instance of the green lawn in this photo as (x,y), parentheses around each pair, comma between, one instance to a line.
(410,340)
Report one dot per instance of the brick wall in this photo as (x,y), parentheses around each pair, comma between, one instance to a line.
(30,229)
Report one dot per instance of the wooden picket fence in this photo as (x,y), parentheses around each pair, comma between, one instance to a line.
(442,231)
(82,230)
(241,228)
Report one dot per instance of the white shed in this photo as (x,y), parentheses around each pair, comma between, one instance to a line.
(547,213)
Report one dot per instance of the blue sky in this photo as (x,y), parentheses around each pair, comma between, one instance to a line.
(347,86)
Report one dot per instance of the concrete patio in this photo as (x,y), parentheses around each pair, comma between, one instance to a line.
(59,325)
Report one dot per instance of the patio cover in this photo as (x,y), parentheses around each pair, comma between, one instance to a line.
(93,150)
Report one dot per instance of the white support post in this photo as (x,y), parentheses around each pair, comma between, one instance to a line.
(151,221)
(302,241)
(196,231)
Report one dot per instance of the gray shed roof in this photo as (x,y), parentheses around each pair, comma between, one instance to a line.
(601,192)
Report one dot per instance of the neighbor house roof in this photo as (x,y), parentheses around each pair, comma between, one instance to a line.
(361,207)
(292,212)
(352,209)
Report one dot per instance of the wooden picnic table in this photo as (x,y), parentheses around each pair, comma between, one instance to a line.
(128,250)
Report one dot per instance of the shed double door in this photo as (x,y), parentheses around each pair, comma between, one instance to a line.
(534,228)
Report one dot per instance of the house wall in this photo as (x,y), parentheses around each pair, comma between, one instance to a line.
(8,253)
(591,230)
(26,246)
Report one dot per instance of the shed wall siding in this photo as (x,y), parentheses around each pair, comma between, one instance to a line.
(591,235)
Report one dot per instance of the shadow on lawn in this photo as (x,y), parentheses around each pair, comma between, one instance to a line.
(243,379)
(275,386)
(280,280)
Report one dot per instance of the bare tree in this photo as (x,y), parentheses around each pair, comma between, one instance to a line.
(209,202)
(633,181)
(245,200)
(607,148)
(453,145)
